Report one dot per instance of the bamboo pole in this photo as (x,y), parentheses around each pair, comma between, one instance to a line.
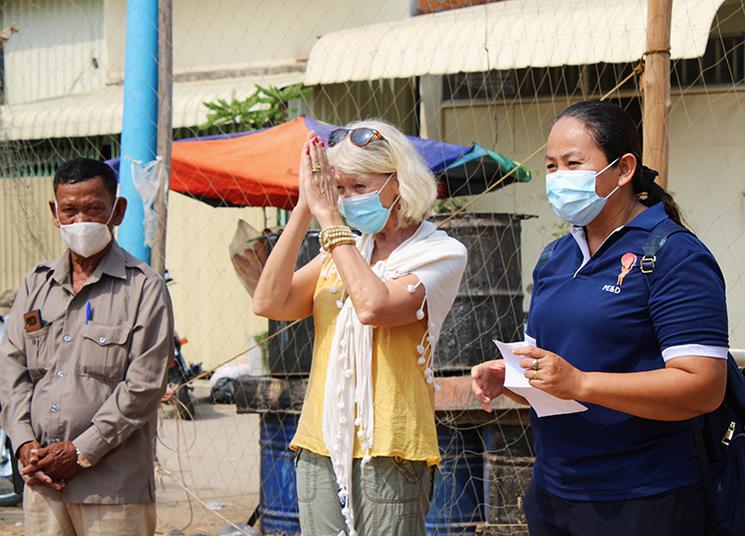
(165,132)
(656,88)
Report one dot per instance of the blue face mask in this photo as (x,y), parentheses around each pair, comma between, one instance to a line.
(572,194)
(365,212)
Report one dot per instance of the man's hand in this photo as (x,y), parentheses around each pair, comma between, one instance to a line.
(28,456)
(58,461)
(24,453)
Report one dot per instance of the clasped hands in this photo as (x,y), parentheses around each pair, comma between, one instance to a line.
(317,185)
(48,466)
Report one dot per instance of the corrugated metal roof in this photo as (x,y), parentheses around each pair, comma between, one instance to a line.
(100,112)
(506,35)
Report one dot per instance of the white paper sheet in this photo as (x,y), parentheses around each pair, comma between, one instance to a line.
(543,403)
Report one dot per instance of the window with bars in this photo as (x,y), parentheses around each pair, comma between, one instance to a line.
(30,158)
(723,63)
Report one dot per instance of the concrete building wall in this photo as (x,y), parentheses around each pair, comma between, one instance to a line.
(27,231)
(66,47)
(212,308)
(234,34)
(59,50)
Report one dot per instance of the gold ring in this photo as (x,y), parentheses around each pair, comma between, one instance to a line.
(535,364)
(534,375)
(316,168)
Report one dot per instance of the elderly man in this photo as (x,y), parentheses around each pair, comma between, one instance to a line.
(83,367)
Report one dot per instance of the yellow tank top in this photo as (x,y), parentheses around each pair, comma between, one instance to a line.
(403,401)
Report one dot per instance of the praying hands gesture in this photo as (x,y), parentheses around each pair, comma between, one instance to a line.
(317,185)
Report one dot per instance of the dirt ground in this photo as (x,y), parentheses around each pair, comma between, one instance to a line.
(216,457)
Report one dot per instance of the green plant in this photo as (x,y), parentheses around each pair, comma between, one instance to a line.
(560,229)
(265,107)
(557,230)
(449,205)
(262,343)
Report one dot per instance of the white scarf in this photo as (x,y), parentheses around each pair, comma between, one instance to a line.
(438,261)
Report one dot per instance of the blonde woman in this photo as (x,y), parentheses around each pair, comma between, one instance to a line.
(366,440)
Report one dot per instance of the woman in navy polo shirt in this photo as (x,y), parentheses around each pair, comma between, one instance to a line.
(644,352)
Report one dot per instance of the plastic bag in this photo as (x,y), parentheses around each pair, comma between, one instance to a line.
(145,179)
(249,250)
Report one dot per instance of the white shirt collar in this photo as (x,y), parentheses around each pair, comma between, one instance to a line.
(578,233)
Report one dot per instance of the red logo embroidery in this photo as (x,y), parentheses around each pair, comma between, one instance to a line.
(627,263)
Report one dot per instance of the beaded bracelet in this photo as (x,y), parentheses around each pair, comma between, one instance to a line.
(339,242)
(334,236)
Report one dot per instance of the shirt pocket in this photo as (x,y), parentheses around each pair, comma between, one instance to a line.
(104,352)
(39,352)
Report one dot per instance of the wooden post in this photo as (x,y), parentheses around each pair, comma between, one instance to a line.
(165,132)
(656,88)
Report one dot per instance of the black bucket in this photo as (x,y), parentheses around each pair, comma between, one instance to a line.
(291,351)
(508,467)
(489,304)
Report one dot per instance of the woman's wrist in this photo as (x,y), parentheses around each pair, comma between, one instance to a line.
(301,208)
(329,218)
(584,387)
(300,216)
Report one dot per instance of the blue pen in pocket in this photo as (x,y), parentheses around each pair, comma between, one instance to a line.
(87,312)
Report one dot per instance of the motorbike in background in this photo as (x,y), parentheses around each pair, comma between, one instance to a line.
(179,392)
(11,482)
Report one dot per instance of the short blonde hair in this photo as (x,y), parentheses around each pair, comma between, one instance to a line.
(416,183)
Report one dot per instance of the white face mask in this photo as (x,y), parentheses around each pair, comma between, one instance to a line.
(88,237)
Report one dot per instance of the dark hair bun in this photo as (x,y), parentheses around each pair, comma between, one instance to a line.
(648,175)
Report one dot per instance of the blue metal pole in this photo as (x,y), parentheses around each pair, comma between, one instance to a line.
(140,121)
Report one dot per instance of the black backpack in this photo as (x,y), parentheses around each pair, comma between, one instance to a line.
(720,435)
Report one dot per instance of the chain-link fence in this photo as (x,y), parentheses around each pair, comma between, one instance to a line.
(463,72)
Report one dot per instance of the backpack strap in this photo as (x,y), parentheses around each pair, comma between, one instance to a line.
(656,239)
(546,254)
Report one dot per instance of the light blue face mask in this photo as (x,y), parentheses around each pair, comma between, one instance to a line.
(365,212)
(572,194)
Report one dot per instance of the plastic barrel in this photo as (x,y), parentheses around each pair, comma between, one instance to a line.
(489,303)
(278,504)
(508,467)
(457,506)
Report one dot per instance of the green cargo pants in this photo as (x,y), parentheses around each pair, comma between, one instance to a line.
(391,496)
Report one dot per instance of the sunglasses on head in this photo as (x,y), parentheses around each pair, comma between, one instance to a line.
(359,136)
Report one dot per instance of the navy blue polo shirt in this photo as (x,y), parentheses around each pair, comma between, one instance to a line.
(600,313)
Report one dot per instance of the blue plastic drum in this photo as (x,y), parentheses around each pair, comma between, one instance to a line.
(457,507)
(278,506)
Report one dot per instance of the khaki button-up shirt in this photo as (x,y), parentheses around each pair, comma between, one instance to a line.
(95,377)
